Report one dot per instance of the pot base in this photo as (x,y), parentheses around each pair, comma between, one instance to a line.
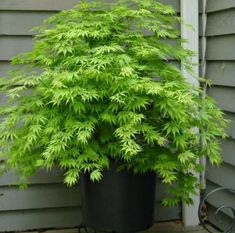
(122,202)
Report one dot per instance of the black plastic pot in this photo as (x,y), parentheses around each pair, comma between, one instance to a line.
(121,202)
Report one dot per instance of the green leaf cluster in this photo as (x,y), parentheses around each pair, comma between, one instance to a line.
(100,86)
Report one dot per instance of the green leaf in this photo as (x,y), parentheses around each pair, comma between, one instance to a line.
(71,177)
(96,175)
(186,156)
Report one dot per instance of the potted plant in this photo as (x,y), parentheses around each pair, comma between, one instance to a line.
(99,98)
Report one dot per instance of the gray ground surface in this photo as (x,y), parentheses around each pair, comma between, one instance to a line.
(170,227)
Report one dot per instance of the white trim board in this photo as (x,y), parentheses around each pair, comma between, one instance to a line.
(190,15)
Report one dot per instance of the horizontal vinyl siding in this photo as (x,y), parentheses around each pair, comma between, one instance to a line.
(221,72)
(220,57)
(219,5)
(47,196)
(217,200)
(163,213)
(224,97)
(36,5)
(221,23)
(222,175)
(40,219)
(231,128)
(4,67)
(56,5)
(41,177)
(221,48)
(47,202)
(12,45)
(21,22)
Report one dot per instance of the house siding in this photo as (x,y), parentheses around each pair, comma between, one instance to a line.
(220,58)
(47,202)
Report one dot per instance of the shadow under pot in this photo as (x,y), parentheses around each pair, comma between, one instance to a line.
(121,202)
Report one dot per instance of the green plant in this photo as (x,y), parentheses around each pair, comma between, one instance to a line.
(98,87)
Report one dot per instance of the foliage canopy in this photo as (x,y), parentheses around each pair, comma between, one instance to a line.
(100,86)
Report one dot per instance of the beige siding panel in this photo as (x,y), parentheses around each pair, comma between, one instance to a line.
(218,5)
(221,48)
(11,46)
(222,73)
(20,23)
(225,97)
(221,23)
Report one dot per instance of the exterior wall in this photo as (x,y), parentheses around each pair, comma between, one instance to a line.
(47,203)
(220,57)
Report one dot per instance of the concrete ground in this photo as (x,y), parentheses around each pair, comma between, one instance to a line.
(169,227)
(176,227)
